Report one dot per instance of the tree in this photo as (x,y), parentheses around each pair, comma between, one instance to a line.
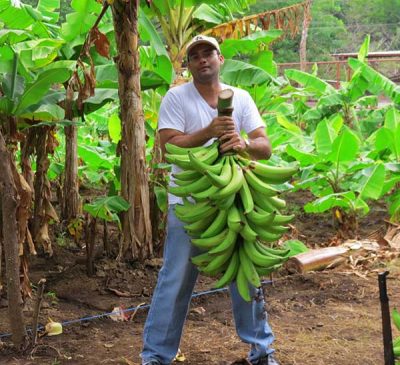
(136,225)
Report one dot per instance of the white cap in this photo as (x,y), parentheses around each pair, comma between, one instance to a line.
(202,39)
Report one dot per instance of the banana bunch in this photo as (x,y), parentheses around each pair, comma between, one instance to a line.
(234,214)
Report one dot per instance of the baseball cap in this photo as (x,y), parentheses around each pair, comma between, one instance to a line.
(202,39)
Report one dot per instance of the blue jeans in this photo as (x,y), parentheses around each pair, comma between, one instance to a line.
(171,298)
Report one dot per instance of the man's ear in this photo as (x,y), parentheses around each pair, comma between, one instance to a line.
(221,59)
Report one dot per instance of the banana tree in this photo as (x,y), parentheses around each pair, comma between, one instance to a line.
(339,173)
(346,101)
(386,143)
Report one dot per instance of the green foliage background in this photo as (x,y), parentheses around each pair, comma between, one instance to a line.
(340,26)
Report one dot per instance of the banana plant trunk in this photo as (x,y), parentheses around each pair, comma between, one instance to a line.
(71,199)
(136,225)
(9,227)
(304,34)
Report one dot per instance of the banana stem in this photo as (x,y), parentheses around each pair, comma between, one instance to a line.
(225,99)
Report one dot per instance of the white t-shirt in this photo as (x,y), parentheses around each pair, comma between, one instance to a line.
(184,109)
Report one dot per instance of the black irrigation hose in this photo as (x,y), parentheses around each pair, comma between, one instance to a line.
(89,318)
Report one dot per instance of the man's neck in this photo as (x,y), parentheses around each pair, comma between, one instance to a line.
(208,89)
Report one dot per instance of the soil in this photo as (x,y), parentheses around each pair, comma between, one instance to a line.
(327,317)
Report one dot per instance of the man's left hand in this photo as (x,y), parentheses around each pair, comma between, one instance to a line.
(232,141)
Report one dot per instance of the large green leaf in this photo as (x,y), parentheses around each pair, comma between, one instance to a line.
(392,118)
(114,128)
(264,60)
(107,208)
(344,200)
(162,197)
(36,90)
(363,52)
(48,9)
(243,74)
(38,53)
(249,44)
(81,20)
(7,86)
(148,33)
(324,137)
(46,112)
(372,185)
(377,83)
(94,158)
(16,17)
(309,81)
(285,123)
(345,146)
(208,14)
(305,158)
(12,36)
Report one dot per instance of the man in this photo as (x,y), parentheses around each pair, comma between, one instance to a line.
(188,118)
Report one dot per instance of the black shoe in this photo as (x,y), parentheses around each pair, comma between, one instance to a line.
(267,360)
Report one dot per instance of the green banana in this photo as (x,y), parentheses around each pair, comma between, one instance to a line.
(280,252)
(283,219)
(225,203)
(228,242)
(233,186)
(263,260)
(205,194)
(173,149)
(259,185)
(188,207)
(224,178)
(183,161)
(210,242)
(218,260)
(197,214)
(217,225)
(199,226)
(187,175)
(234,220)
(277,229)
(270,174)
(262,202)
(194,187)
(261,219)
(203,167)
(247,232)
(264,271)
(263,234)
(248,268)
(276,202)
(246,198)
(243,285)
(230,272)
(218,270)
(202,259)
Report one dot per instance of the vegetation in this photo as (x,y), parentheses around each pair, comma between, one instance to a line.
(79,98)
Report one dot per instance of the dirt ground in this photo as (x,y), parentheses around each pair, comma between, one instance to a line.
(319,318)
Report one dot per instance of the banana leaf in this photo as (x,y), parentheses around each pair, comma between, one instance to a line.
(311,82)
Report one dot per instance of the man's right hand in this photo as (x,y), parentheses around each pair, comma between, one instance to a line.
(220,126)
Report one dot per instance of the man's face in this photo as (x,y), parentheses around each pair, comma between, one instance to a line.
(204,62)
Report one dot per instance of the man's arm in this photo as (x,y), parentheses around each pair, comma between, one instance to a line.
(259,146)
(217,127)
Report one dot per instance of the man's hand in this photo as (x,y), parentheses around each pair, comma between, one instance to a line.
(232,141)
(220,126)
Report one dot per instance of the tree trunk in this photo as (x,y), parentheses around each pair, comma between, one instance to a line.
(136,224)
(304,34)
(9,206)
(43,210)
(71,202)
(158,217)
